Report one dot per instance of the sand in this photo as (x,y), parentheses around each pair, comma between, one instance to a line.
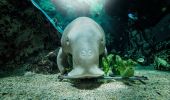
(32,86)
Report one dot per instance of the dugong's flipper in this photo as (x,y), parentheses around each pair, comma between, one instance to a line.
(61,57)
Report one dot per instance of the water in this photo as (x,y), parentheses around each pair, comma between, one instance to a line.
(137,30)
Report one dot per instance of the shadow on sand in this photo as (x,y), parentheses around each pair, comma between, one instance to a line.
(87,84)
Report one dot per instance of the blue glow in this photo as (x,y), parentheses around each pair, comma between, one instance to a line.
(50,19)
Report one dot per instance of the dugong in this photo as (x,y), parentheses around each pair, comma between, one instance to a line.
(84,39)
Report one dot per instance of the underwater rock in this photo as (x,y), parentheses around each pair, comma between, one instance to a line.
(161,30)
(24,34)
(43,63)
(84,39)
(52,56)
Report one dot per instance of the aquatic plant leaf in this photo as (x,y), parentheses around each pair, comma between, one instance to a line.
(107,63)
(118,66)
(127,72)
(159,62)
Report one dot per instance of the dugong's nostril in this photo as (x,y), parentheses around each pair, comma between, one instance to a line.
(83,53)
(89,52)
(86,52)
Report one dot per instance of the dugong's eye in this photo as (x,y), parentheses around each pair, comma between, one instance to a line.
(102,41)
(67,41)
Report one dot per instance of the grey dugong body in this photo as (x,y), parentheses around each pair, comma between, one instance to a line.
(84,39)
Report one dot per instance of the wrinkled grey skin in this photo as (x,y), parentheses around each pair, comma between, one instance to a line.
(84,39)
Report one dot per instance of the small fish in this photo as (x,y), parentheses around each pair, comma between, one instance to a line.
(141,60)
(163,9)
(132,16)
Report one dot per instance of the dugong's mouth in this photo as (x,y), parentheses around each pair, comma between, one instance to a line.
(81,72)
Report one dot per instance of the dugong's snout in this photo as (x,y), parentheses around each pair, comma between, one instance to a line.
(86,64)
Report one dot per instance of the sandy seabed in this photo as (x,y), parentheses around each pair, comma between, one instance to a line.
(31,86)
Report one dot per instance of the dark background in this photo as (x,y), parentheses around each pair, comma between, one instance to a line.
(27,37)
